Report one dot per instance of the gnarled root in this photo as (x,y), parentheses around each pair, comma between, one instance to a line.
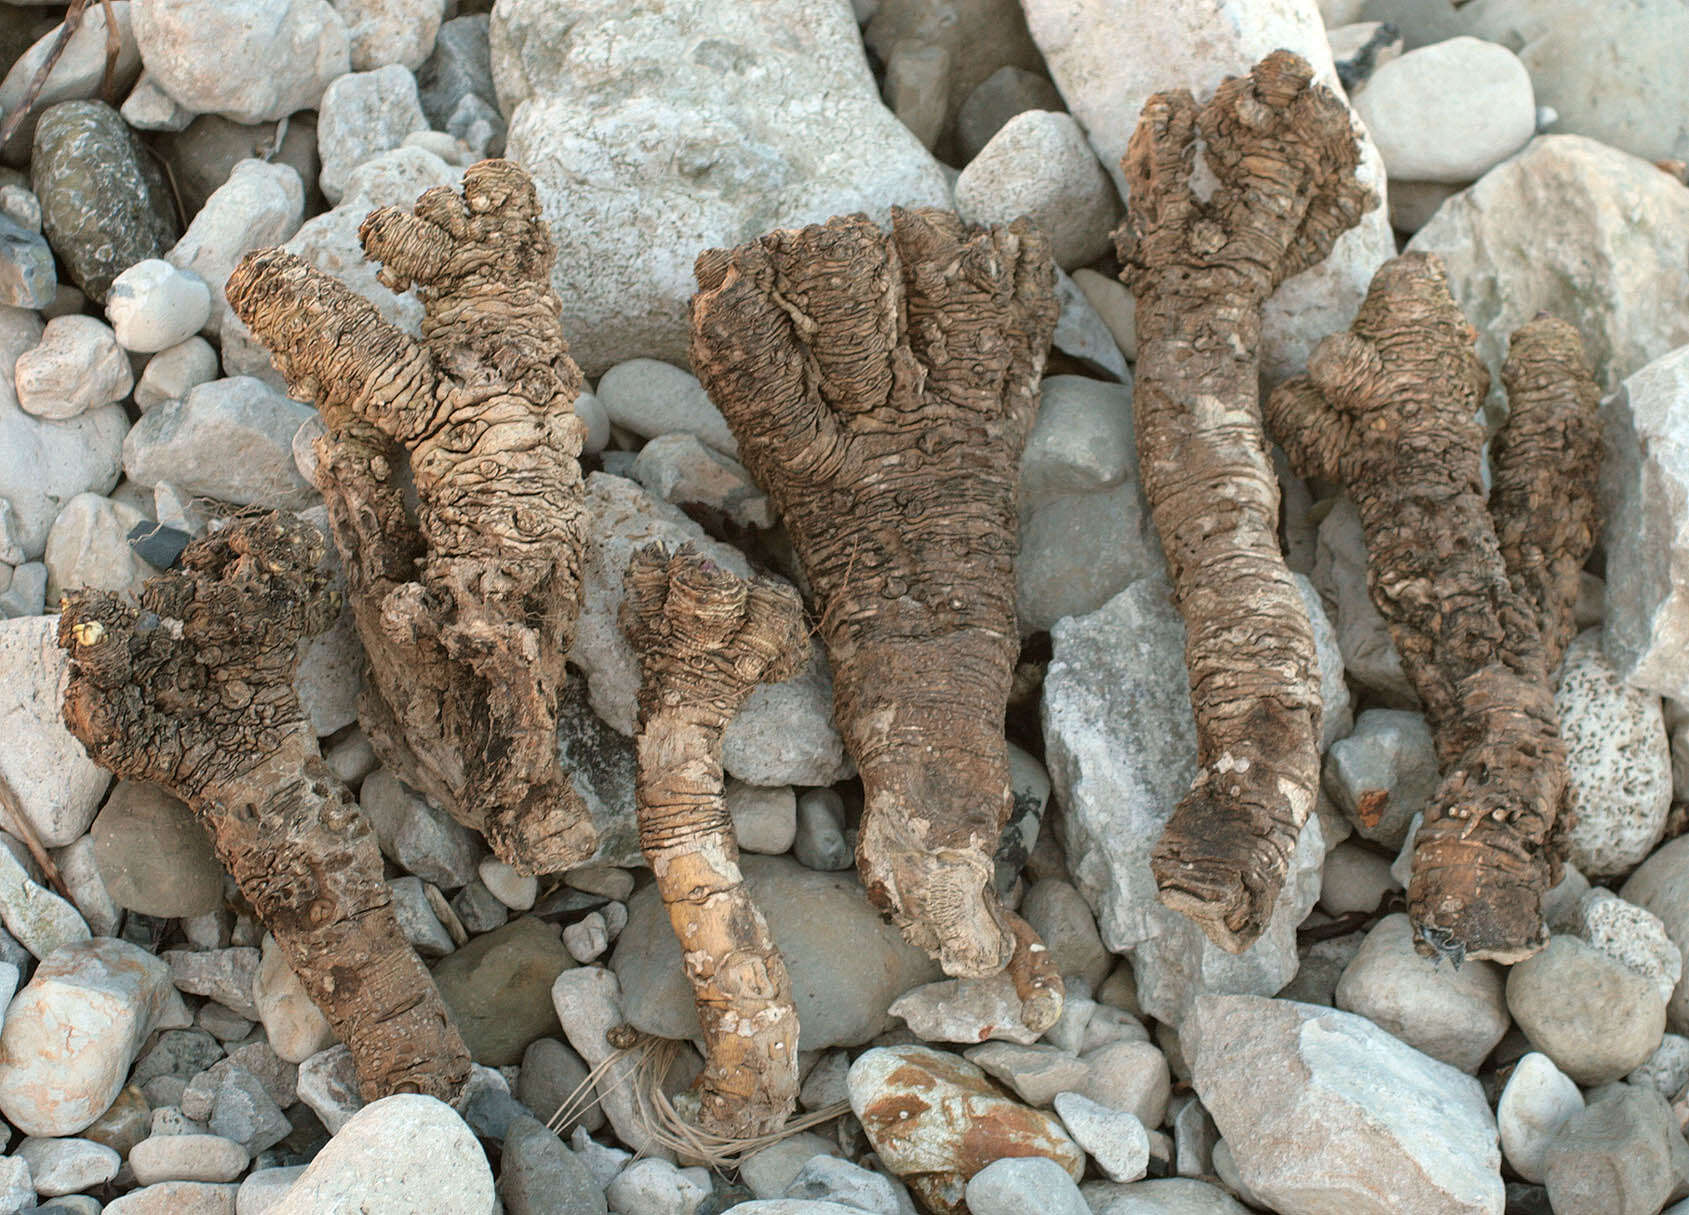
(1545,495)
(193,690)
(1285,157)
(1388,409)
(706,638)
(466,614)
(881,389)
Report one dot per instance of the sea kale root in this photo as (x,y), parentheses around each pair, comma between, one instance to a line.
(467,612)
(1545,496)
(706,638)
(1389,410)
(1284,156)
(881,388)
(193,690)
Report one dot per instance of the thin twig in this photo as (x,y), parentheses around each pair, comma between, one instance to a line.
(72,21)
(25,831)
(114,48)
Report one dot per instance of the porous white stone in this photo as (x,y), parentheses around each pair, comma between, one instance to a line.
(58,787)
(1633,935)
(77,366)
(380,32)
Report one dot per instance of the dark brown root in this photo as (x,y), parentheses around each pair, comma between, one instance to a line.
(192,689)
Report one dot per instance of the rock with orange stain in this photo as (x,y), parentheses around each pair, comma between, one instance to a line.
(72,1033)
(935,1121)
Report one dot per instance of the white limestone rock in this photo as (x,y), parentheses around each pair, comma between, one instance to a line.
(47,769)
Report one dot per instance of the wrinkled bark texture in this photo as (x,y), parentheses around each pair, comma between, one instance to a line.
(1545,492)
(881,388)
(706,638)
(193,690)
(1284,156)
(467,612)
(1389,409)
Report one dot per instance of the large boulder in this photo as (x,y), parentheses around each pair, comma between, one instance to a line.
(658,131)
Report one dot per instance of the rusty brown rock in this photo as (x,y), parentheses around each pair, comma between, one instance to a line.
(466,610)
(1200,271)
(935,1121)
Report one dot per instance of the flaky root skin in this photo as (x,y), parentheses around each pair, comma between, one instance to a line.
(192,689)
(706,638)
(1388,409)
(467,611)
(1285,157)
(881,388)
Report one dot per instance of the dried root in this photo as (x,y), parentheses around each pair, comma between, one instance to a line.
(881,388)
(467,612)
(193,690)
(706,638)
(1285,157)
(1389,409)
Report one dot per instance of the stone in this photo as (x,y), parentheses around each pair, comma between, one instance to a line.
(104,203)
(89,548)
(180,1054)
(1661,885)
(1131,1075)
(784,734)
(1121,750)
(1355,878)
(27,593)
(330,675)
(655,1187)
(768,1171)
(539,1175)
(28,277)
(460,66)
(177,1198)
(827,1180)
(1035,1074)
(67,1166)
(1369,655)
(498,988)
(241,1107)
(264,1188)
(653,398)
(1666,1071)
(1112,303)
(1536,1102)
(418,837)
(78,72)
(254,62)
(57,787)
(1594,1016)
(1018,1184)
(603,764)
(1633,935)
(169,374)
(224,975)
(1082,334)
(383,32)
(917,87)
(841,998)
(1448,112)
(1114,1139)
(1005,93)
(1039,165)
(683,471)
(820,842)
(258,205)
(514,890)
(551,1073)
(765,818)
(1396,1129)
(40,920)
(1383,773)
(362,114)
(125,1123)
(1195,44)
(1527,237)
(1167,1196)
(1455,1015)
(965,1010)
(1081,441)
(153,854)
(587,938)
(81,877)
(150,108)
(78,366)
(294,1025)
(229,439)
(602,86)
(72,1033)
(153,305)
(1618,762)
(589,1004)
(401,1153)
(1647,531)
(1059,915)
(187,1158)
(1618,1155)
(1077,551)
(328,1084)
(935,1121)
